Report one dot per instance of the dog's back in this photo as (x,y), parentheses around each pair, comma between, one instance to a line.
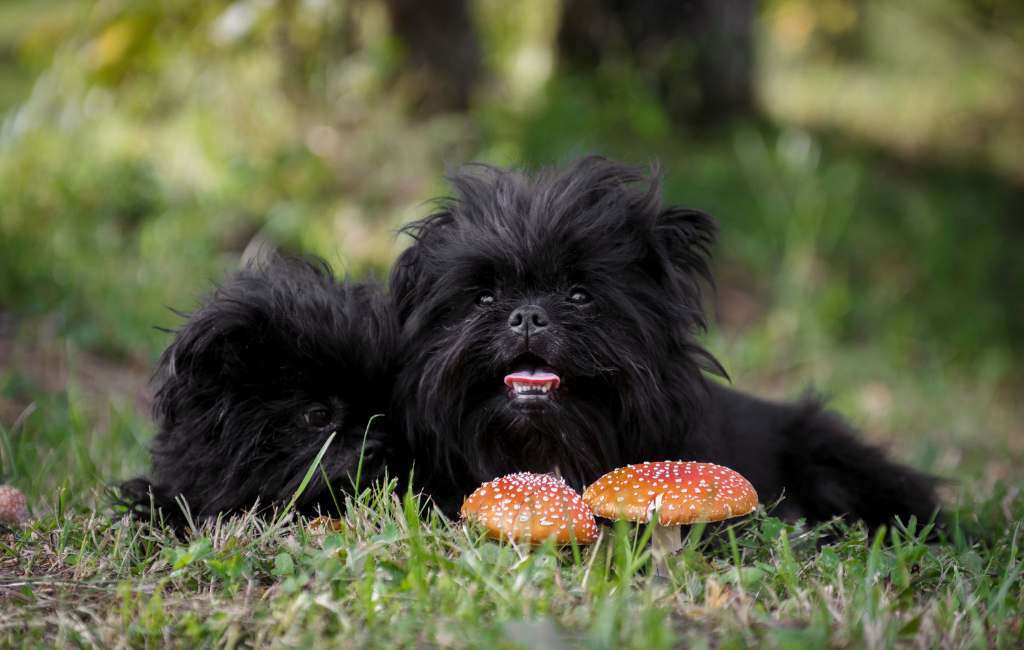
(812,456)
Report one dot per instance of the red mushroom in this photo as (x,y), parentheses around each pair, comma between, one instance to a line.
(682,493)
(531,508)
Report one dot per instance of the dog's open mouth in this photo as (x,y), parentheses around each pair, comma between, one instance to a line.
(531,378)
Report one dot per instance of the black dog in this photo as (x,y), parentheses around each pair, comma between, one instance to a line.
(552,324)
(275,361)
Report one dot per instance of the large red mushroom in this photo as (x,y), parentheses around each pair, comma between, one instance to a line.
(681,493)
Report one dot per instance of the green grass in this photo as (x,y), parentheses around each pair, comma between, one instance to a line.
(395,574)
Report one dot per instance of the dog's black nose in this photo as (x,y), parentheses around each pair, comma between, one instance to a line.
(528,320)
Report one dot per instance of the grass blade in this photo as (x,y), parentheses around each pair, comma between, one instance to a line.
(309,475)
(359,468)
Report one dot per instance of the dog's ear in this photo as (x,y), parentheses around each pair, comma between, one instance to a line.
(405,274)
(683,241)
(206,358)
(409,272)
(225,343)
(688,236)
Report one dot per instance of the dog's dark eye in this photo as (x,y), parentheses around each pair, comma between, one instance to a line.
(318,417)
(485,299)
(579,296)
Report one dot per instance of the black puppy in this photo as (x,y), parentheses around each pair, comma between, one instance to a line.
(551,321)
(276,360)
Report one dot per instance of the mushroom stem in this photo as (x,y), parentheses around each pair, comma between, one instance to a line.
(665,540)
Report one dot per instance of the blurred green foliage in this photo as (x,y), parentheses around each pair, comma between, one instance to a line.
(876,214)
(165,135)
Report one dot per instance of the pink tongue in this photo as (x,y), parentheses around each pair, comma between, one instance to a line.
(532,378)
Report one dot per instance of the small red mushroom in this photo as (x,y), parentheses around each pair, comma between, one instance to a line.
(531,508)
(13,506)
(682,493)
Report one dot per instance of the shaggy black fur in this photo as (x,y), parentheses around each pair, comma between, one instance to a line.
(274,361)
(585,274)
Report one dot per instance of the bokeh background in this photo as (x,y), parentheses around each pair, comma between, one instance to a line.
(865,159)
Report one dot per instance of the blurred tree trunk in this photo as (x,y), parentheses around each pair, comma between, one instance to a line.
(443,53)
(699,52)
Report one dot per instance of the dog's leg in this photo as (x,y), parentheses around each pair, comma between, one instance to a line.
(146,501)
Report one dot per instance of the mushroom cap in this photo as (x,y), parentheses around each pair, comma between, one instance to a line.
(685,493)
(13,506)
(533,508)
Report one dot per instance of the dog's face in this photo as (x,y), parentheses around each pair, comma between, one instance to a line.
(549,318)
(259,378)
